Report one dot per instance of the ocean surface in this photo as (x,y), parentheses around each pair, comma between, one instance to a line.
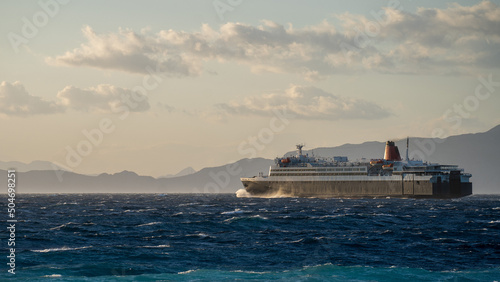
(187,237)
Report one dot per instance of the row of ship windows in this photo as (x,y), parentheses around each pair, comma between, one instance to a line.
(323,169)
(314,174)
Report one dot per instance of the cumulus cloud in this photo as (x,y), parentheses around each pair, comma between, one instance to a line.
(442,40)
(454,39)
(305,102)
(103,98)
(130,52)
(16,101)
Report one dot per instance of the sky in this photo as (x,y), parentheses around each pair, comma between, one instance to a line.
(158,86)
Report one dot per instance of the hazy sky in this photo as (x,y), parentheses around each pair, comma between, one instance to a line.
(157,86)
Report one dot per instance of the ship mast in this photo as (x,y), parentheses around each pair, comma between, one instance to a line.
(407,142)
(299,149)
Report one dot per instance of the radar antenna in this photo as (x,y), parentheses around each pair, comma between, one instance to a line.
(299,149)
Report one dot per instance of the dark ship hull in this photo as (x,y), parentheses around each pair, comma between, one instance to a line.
(358,189)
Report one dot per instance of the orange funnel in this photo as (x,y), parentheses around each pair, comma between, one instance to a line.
(391,152)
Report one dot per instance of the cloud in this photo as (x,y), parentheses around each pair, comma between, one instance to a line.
(16,101)
(269,47)
(305,102)
(127,51)
(456,39)
(103,98)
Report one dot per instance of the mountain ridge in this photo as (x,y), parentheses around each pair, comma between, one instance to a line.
(477,153)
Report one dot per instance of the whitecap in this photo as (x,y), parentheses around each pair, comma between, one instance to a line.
(63,225)
(330,216)
(259,217)
(231,219)
(201,235)
(237,218)
(148,224)
(158,246)
(251,272)
(236,211)
(62,249)
(140,210)
(383,214)
(146,210)
(186,272)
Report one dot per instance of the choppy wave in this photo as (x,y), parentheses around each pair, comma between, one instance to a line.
(68,224)
(149,223)
(330,272)
(245,218)
(325,272)
(61,249)
(52,276)
(223,237)
(158,246)
(236,211)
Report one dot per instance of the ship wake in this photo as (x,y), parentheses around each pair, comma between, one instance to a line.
(242,193)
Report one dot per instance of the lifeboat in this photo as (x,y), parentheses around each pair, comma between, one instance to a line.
(285,161)
(374,162)
(388,166)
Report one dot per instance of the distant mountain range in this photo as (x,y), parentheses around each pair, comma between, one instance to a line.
(223,179)
(22,167)
(478,154)
(186,171)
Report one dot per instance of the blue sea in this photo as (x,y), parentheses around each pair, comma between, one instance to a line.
(188,237)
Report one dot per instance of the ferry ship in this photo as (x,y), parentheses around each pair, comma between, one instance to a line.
(305,176)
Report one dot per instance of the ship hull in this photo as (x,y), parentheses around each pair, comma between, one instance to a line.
(357,189)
